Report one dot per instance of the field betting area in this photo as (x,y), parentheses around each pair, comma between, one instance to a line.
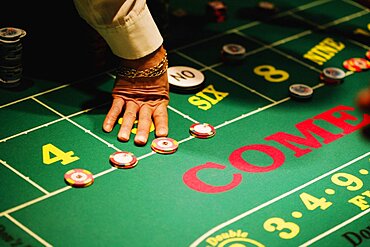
(278,172)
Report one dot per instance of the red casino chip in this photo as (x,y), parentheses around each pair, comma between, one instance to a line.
(79,178)
(356,64)
(202,130)
(368,54)
(123,159)
(164,145)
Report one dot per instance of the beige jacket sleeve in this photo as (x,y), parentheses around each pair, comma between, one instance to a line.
(126,25)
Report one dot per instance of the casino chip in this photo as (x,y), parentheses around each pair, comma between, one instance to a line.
(183,79)
(368,54)
(11,34)
(233,53)
(332,76)
(79,178)
(202,130)
(356,64)
(267,7)
(300,91)
(123,160)
(164,145)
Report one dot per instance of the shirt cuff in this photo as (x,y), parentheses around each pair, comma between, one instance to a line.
(136,39)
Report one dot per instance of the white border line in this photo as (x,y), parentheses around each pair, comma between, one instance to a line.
(27,230)
(278,198)
(24,177)
(328,232)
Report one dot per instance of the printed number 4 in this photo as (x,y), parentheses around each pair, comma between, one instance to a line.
(57,155)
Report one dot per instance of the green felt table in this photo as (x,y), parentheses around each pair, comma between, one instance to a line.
(278,172)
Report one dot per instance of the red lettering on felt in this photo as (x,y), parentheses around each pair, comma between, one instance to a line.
(344,116)
(191,179)
(238,162)
(305,127)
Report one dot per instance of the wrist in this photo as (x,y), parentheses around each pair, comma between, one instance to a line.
(152,65)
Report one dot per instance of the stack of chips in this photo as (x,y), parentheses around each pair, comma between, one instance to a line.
(11,56)
(332,76)
(79,178)
(233,53)
(164,145)
(300,92)
(123,160)
(216,11)
(202,130)
(184,79)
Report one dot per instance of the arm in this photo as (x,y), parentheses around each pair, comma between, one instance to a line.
(130,31)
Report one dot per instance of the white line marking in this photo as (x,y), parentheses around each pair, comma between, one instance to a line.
(38,199)
(226,77)
(182,114)
(79,126)
(323,235)
(27,230)
(24,177)
(268,203)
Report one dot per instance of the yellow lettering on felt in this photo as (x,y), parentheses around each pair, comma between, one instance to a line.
(271,74)
(324,51)
(361,32)
(207,97)
(57,155)
(278,224)
(201,103)
(312,202)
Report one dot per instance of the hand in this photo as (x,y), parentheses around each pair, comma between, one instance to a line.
(143,98)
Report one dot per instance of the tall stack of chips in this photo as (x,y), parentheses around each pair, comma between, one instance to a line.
(332,76)
(11,56)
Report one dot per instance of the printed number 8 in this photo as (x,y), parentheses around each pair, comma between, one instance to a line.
(271,74)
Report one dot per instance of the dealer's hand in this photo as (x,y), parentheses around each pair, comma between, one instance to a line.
(142,98)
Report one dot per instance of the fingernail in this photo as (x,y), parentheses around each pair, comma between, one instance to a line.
(140,140)
(123,138)
(107,127)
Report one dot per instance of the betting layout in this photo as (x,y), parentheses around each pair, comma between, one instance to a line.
(288,224)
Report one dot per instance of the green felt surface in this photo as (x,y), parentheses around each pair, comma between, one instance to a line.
(311,191)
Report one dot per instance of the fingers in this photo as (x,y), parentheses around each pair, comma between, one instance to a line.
(144,123)
(128,120)
(113,114)
(160,117)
